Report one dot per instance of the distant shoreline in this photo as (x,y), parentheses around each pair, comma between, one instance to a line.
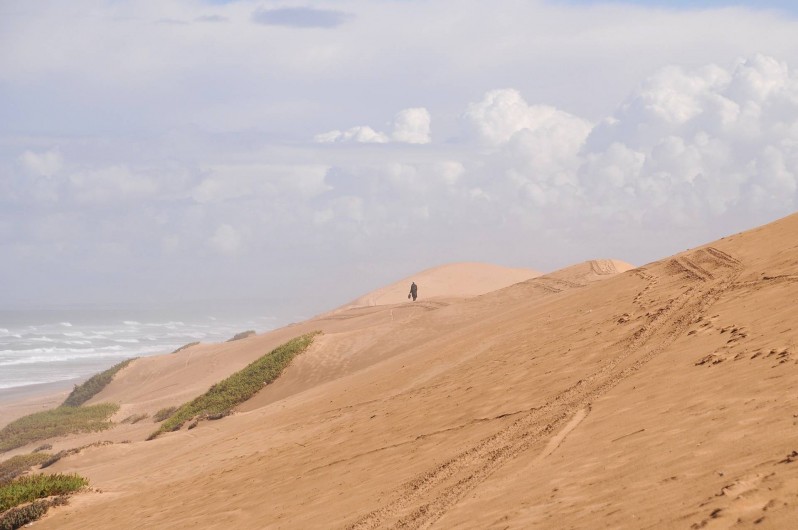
(23,400)
(19,393)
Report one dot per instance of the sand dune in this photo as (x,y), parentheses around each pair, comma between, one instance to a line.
(456,280)
(658,397)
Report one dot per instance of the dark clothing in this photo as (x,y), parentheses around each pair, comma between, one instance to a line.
(413,291)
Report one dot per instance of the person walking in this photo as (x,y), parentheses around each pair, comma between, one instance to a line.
(413,291)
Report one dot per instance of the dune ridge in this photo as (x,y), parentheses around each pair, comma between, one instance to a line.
(454,280)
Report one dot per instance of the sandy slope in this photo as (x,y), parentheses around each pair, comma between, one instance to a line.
(662,397)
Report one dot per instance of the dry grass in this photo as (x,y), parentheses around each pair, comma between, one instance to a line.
(52,459)
(135,418)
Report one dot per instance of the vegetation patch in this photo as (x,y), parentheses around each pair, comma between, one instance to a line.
(13,467)
(220,399)
(92,386)
(22,515)
(242,335)
(40,486)
(52,459)
(162,414)
(56,422)
(184,346)
(135,418)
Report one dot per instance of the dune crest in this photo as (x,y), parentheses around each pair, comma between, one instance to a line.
(454,280)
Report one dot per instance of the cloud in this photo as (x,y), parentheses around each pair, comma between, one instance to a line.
(705,142)
(503,113)
(689,147)
(410,126)
(359,134)
(301,17)
(230,182)
(111,184)
(45,164)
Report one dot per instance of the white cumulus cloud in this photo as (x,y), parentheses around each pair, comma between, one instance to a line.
(502,113)
(705,141)
(361,134)
(411,126)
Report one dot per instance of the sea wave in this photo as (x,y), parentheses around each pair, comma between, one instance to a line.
(62,357)
(50,350)
(58,351)
(28,382)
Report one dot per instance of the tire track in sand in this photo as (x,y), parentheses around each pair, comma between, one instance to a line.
(425,499)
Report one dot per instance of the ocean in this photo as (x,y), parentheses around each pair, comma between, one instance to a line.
(43,347)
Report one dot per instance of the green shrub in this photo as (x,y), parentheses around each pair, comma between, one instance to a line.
(162,414)
(56,422)
(239,387)
(17,465)
(32,487)
(92,386)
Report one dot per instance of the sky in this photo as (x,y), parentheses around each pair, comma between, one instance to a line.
(304,153)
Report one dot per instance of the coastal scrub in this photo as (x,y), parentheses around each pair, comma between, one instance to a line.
(27,498)
(93,385)
(56,422)
(13,467)
(220,399)
(32,487)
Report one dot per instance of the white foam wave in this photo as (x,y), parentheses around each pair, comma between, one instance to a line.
(127,341)
(41,379)
(66,324)
(61,351)
(172,324)
(39,359)
(131,323)
(29,382)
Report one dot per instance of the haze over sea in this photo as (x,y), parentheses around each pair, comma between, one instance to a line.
(50,346)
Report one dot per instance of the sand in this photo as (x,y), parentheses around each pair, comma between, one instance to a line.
(594,397)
